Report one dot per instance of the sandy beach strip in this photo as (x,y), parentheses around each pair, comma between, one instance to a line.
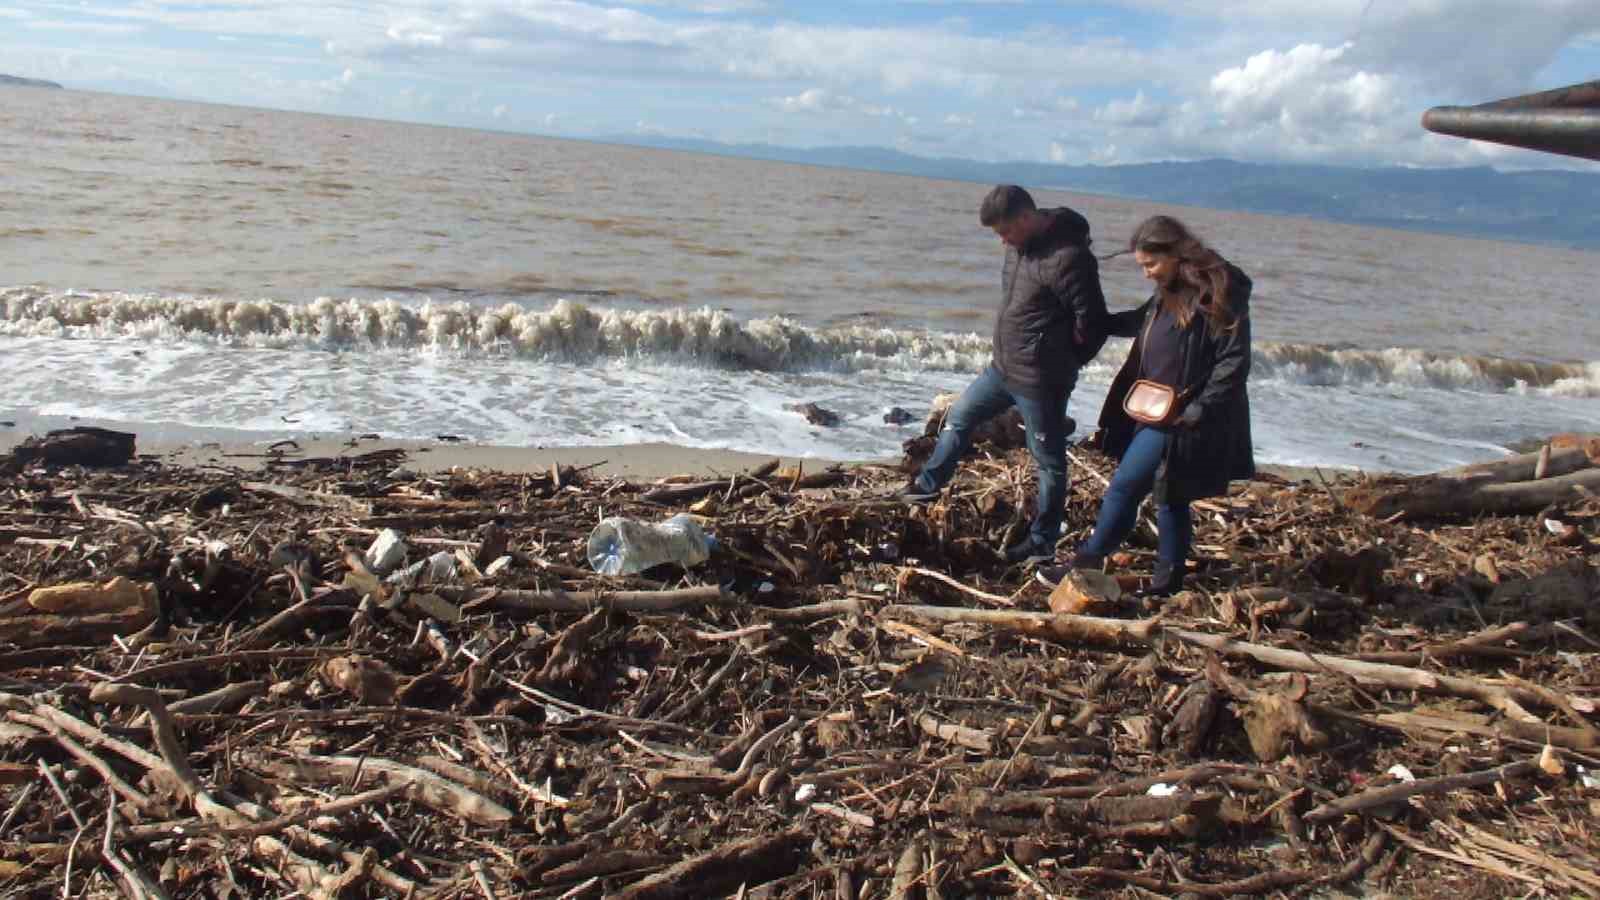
(184,445)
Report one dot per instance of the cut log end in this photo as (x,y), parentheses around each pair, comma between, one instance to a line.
(1085,591)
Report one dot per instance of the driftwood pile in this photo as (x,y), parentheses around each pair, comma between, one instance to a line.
(214,687)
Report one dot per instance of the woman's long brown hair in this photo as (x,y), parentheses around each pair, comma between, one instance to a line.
(1202,278)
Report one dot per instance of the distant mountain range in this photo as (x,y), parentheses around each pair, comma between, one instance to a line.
(27,82)
(1547,206)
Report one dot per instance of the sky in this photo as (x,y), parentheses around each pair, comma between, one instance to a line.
(1327,81)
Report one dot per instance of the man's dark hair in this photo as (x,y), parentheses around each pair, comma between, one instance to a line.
(1004,203)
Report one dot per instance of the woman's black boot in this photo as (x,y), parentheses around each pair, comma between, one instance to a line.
(1168,580)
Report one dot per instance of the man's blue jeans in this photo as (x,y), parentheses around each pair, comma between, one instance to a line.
(1134,478)
(1044,417)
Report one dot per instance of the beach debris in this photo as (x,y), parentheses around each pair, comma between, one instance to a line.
(1003,432)
(623,546)
(78,446)
(387,552)
(368,680)
(1085,591)
(1565,469)
(440,566)
(849,697)
(86,597)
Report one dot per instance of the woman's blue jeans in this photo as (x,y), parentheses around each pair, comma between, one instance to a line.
(1134,477)
(1044,417)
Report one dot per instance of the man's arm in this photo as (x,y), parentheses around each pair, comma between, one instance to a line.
(1077,285)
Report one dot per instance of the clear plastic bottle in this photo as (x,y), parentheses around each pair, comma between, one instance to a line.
(622,546)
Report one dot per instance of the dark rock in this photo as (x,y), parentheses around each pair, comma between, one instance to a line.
(80,446)
(898,416)
(816,415)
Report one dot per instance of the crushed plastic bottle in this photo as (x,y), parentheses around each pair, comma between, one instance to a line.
(440,566)
(622,546)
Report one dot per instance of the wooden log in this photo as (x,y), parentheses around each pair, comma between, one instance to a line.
(47,630)
(513,601)
(89,597)
(907,872)
(1088,630)
(1185,814)
(1394,793)
(1085,591)
(1507,699)
(304,497)
(971,738)
(1490,642)
(1582,739)
(1524,466)
(684,493)
(1092,631)
(813,612)
(912,580)
(422,786)
(1432,497)
(751,861)
(1264,883)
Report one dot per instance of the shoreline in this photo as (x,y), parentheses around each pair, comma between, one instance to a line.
(183,445)
(190,446)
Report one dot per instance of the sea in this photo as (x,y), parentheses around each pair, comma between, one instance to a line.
(177,265)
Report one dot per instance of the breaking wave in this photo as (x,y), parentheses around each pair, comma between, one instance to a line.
(565,331)
(1319,365)
(574,332)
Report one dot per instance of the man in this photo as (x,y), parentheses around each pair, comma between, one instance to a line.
(1052,321)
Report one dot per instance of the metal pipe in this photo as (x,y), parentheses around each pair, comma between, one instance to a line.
(1565,120)
(1572,132)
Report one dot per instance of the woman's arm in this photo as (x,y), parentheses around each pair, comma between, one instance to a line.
(1128,322)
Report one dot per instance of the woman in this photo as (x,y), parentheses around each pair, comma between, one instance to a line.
(1193,335)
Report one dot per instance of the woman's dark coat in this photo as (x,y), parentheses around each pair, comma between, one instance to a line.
(1211,440)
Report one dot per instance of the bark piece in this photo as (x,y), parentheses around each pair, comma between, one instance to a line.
(751,861)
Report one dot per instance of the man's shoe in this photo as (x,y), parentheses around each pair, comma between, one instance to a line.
(912,493)
(1050,576)
(1029,551)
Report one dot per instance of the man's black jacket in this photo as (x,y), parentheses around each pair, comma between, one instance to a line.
(1052,313)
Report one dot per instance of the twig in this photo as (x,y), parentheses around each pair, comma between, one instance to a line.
(139,884)
(1396,792)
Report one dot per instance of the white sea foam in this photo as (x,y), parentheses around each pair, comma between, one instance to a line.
(574,332)
(572,375)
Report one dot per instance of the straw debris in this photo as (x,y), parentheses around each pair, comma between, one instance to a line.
(234,693)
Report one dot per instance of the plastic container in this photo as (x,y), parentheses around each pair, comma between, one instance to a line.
(621,546)
(440,566)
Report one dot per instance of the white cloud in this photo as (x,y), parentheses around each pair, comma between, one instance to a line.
(821,100)
(1045,108)
(84,27)
(1306,82)
(1140,112)
(813,100)
(1336,81)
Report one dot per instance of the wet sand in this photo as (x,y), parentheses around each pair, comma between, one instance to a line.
(190,446)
